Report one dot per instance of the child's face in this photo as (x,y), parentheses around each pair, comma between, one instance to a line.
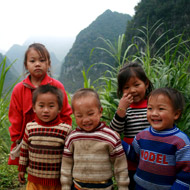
(160,112)
(46,107)
(87,113)
(135,87)
(36,65)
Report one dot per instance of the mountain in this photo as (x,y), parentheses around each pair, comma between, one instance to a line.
(59,45)
(108,25)
(175,16)
(16,52)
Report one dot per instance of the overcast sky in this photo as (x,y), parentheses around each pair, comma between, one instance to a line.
(21,19)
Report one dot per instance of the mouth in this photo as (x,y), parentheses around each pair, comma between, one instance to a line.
(37,70)
(156,121)
(45,116)
(87,125)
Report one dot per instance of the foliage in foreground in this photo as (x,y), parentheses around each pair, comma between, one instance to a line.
(170,68)
(8,174)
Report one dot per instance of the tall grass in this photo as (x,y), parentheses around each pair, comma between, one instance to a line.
(166,65)
(8,174)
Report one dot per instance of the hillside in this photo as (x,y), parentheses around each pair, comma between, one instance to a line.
(108,25)
(16,52)
(175,16)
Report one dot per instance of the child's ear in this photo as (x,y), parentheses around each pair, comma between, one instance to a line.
(34,110)
(177,115)
(147,84)
(101,110)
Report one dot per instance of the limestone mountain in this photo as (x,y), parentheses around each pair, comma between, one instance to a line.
(16,52)
(108,25)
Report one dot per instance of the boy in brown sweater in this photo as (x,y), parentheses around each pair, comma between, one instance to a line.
(93,152)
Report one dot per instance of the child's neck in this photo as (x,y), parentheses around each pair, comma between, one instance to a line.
(36,81)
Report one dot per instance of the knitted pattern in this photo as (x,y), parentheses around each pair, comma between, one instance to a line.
(164,159)
(134,121)
(42,150)
(93,157)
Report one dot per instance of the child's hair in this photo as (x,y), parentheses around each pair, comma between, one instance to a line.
(43,89)
(132,69)
(174,95)
(42,51)
(85,92)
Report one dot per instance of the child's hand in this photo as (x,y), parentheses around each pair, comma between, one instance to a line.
(124,103)
(21,177)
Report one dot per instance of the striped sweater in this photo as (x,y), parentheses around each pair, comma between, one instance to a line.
(164,159)
(134,121)
(42,150)
(90,156)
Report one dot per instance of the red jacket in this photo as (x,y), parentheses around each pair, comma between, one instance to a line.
(21,112)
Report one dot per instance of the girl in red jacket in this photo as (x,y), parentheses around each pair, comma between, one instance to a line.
(37,64)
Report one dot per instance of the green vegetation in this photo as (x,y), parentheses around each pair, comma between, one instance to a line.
(169,68)
(174,14)
(109,25)
(8,174)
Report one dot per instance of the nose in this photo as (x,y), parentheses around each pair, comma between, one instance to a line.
(45,109)
(37,63)
(132,90)
(85,120)
(154,112)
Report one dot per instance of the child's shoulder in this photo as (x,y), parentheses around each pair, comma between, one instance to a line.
(66,127)
(18,86)
(56,83)
(182,136)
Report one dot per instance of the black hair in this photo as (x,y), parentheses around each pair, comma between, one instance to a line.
(174,95)
(132,69)
(84,92)
(42,51)
(43,89)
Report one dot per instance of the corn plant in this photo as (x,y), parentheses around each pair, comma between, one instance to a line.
(165,65)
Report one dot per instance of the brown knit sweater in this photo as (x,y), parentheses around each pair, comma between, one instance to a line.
(42,150)
(94,157)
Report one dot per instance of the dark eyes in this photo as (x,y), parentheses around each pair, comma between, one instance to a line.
(41,60)
(149,108)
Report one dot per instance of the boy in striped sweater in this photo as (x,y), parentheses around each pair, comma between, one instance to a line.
(162,150)
(43,141)
(93,152)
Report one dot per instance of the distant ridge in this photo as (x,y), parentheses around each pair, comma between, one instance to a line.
(108,25)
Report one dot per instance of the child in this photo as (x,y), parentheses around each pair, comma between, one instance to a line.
(163,151)
(43,141)
(92,149)
(37,63)
(130,117)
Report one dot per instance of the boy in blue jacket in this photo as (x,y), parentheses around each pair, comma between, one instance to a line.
(162,150)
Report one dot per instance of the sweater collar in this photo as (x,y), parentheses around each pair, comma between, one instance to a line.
(54,122)
(27,82)
(141,104)
(166,132)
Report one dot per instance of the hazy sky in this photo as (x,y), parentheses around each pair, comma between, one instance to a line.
(21,19)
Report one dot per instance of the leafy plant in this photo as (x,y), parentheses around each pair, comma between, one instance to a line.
(8,175)
(164,66)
